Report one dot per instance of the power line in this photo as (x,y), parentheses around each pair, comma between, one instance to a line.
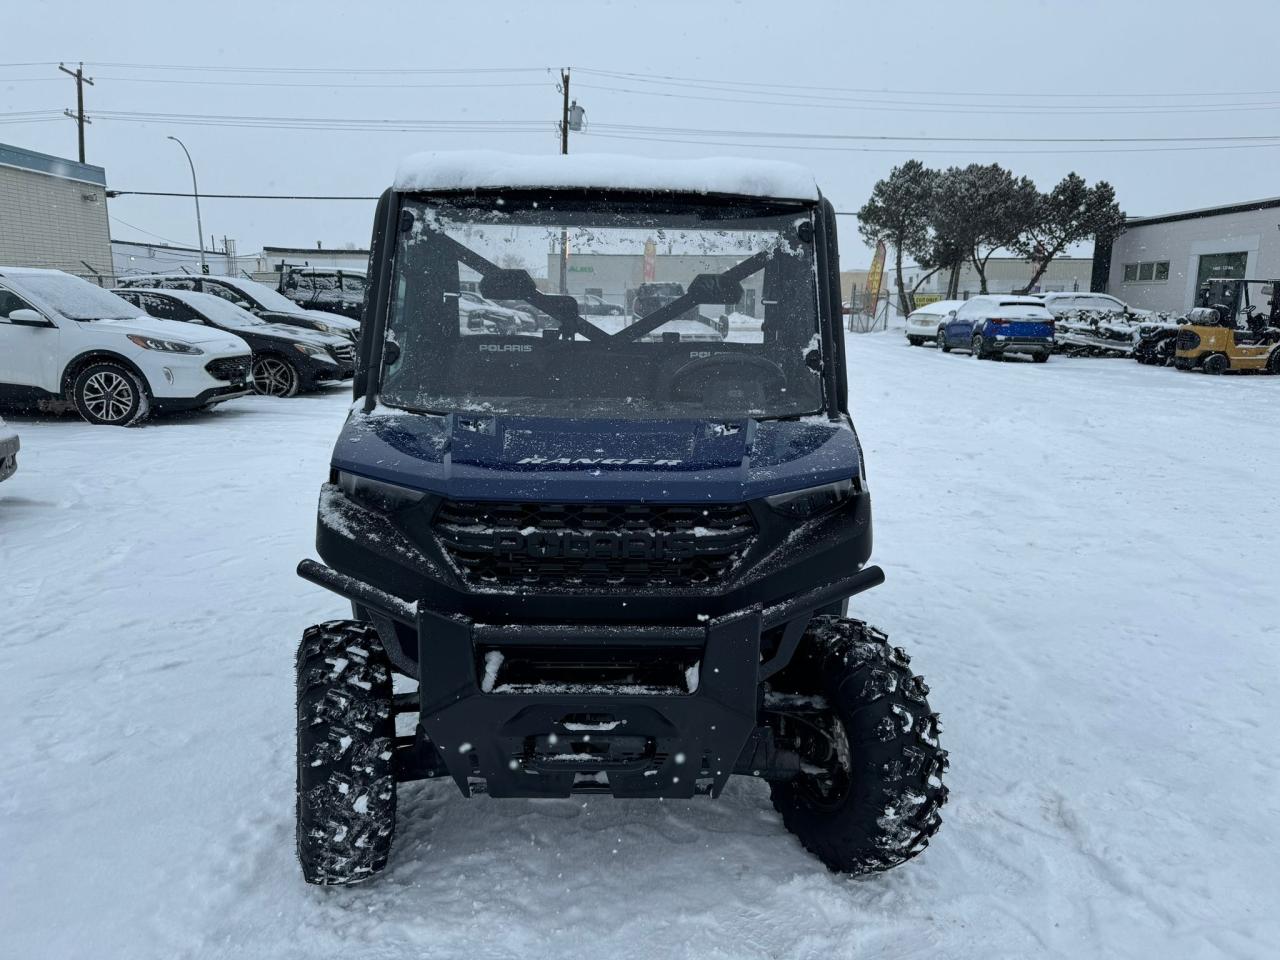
(764,86)
(915,138)
(895,106)
(126,223)
(333,71)
(915,151)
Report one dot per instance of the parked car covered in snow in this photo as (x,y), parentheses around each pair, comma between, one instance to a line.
(992,325)
(1062,303)
(926,322)
(257,298)
(589,305)
(65,339)
(285,359)
(335,291)
(478,314)
(8,450)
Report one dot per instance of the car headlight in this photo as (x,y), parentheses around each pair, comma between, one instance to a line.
(164,346)
(311,351)
(376,493)
(813,500)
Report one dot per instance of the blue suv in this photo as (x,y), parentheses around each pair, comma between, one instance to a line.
(990,326)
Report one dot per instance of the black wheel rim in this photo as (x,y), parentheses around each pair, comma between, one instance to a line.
(108,396)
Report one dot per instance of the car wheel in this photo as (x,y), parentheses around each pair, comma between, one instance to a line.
(1215,364)
(275,377)
(110,394)
(942,341)
(915,341)
(1273,363)
(975,347)
(1041,357)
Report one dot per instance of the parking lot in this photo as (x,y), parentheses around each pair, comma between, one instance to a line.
(1073,559)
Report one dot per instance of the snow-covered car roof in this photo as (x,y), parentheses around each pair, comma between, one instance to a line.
(492,169)
(63,293)
(939,307)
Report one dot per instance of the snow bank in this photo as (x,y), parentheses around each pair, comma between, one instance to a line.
(475,169)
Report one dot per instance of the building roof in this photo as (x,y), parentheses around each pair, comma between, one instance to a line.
(1246,207)
(315,251)
(152,245)
(24,159)
(494,170)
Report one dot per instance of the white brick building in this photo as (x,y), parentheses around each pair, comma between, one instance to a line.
(1158,262)
(53,213)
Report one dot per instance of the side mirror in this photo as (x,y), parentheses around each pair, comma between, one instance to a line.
(951,314)
(26,317)
(712,288)
(390,352)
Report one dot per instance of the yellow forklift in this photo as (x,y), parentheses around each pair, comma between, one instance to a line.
(1213,339)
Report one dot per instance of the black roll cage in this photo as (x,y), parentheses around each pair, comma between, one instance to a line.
(387,225)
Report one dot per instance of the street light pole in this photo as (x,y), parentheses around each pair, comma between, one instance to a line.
(195,190)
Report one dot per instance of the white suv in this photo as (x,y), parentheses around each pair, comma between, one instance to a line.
(62,338)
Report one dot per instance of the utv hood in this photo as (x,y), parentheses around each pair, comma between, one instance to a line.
(464,456)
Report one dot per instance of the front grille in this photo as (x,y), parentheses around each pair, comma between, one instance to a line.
(344,354)
(1188,340)
(572,545)
(228,368)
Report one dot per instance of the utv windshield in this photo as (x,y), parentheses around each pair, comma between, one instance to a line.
(719,309)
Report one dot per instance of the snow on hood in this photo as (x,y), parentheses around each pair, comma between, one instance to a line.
(333,319)
(694,461)
(301,334)
(209,337)
(480,169)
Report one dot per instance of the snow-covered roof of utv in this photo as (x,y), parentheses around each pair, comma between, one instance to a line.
(490,169)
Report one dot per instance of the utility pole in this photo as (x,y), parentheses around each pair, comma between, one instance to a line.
(565,152)
(564,111)
(78,116)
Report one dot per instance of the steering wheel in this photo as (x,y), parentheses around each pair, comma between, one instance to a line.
(768,375)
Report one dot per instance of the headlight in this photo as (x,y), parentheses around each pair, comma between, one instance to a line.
(376,493)
(324,327)
(164,346)
(813,500)
(311,351)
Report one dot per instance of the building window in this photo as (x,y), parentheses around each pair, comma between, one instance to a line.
(1148,271)
(1222,266)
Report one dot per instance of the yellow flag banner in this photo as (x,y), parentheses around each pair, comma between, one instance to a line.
(874,278)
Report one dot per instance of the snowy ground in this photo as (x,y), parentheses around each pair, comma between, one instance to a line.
(1081,558)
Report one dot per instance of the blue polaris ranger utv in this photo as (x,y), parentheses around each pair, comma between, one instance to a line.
(614,554)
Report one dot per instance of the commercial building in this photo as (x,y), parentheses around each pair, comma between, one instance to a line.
(616,276)
(53,214)
(133,257)
(1158,262)
(1004,275)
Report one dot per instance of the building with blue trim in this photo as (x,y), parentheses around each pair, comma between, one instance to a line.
(53,213)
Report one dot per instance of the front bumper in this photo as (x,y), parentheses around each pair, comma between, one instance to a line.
(212,395)
(317,370)
(9,447)
(536,739)
(187,382)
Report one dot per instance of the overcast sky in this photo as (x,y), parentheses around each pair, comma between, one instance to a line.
(925,69)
